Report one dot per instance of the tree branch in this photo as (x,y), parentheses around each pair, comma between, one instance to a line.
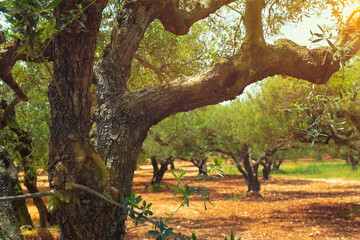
(33,195)
(8,58)
(253,22)
(228,78)
(146,64)
(9,111)
(6,76)
(179,21)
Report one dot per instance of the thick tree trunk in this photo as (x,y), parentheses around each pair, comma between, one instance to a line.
(124,117)
(172,165)
(8,228)
(252,180)
(21,210)
(154,163)
(266,172)
(82,215)
(30,174)
(201,165)
(44,215)
(249,171)
(352,161)
(22,214)
(158,174)
(120,126)
(277,163)
(266,163)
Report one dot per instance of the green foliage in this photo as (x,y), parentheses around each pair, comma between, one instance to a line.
(156,187)
(30,20)
(33,116)
(184,189)
(167,57)
(232,236)
(133,203)
(326,116)
(54,203)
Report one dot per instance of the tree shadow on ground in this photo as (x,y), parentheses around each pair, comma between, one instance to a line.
(334,219)
(206,227)
(292,195)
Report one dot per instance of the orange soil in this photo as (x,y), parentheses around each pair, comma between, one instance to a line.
(288,208)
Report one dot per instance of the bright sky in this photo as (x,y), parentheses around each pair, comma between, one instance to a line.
(300,33)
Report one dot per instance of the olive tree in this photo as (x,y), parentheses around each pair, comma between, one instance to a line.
(124,117)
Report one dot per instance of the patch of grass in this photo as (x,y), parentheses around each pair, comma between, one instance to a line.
(233,199)
(354,212)
(29,233)
(314,169)
(319,170)
(230,170)
(157,187)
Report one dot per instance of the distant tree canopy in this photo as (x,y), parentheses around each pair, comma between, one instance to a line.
(277,119)
(109,56)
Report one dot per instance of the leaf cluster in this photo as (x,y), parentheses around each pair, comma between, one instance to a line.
(28,18)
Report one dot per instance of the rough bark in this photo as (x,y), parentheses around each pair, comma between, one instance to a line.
(179,21)
(8,228)
(22,213)
(82,216)
(24,147)
(21,210)
(253,180)
(245,166)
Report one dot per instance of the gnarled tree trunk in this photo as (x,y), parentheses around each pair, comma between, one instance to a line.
(158,174)
(30,175)
(251,169)
(8,228)
(266,168)
(276,164)
(200,163)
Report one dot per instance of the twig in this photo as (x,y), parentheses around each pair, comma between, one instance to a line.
(146,64)
(33,195)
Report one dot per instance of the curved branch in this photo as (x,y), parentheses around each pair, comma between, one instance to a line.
(146,64)
(179,21)
(9,111)
(6,76)
(228,77)
(8,58)
(290,59)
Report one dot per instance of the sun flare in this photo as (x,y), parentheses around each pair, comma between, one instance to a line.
(352,6)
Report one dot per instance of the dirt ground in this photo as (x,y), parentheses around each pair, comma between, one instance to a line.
(288,208)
